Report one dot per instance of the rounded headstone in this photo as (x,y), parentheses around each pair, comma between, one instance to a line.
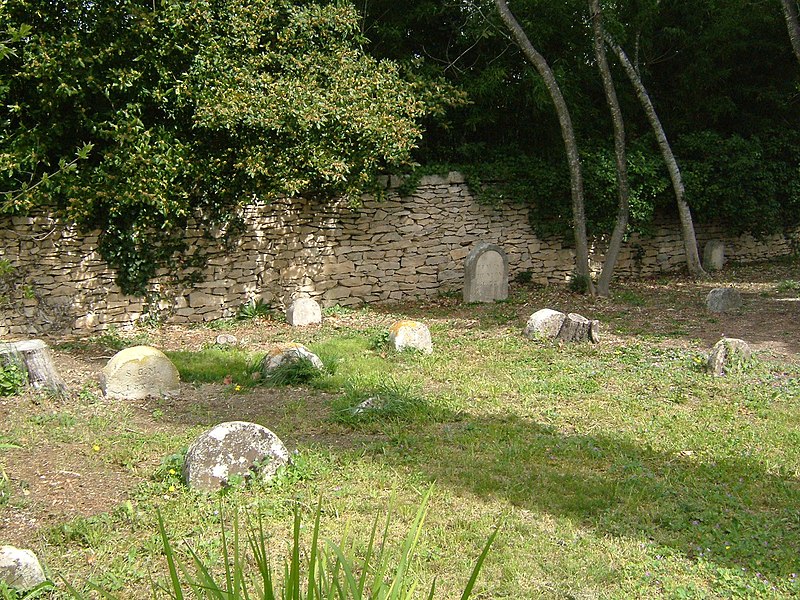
(410,334)
(726,353)
(288,353)
(723,300)
(486,274)
(139,372)
(235,448)
(544,323)
(304,311)
(714,255)
(20,568)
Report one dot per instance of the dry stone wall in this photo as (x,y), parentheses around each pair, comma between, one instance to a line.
(387,250)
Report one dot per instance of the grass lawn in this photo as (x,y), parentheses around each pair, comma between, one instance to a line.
(616,470)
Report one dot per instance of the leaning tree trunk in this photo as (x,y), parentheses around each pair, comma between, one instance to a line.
(568,134)
(792,24)
(623,190)
(685,214)
(35,358)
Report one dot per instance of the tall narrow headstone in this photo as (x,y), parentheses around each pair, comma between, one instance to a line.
(714,255)
(486,274)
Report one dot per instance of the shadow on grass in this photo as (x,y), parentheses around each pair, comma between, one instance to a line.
(731,512)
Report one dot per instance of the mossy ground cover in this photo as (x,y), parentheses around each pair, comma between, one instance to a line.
(618,470)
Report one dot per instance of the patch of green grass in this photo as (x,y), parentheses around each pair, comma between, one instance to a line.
(215,365)
(630,297)
(787,285)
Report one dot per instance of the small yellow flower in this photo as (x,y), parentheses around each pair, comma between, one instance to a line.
(172,472)
(238,388)
(172,488)
(96,447)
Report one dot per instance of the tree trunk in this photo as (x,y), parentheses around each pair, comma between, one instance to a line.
(568,134)
(623,190)
(792,24)
(34,356)
(685,214)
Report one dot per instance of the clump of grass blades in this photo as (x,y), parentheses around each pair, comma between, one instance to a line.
(387,399)
(330,570)
(297,372)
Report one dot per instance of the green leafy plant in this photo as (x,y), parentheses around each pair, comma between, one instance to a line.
(788,285)
(323,570)
(253,309)
(12,379)
(579,284)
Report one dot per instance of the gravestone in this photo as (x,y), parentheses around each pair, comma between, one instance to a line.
(486,274)
(139,372)
(714,255)
(723,300)
(236,449)
(544,323)
(302,312)
(552,324)
(20,569)
(726,354)
(410,334)
(288,353)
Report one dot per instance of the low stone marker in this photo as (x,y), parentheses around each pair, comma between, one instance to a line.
(233,449)
(485,274)
(139,372)
(728,353)
(552,324)
(723,300)
(410,334)
(302,312)
(288,353)
(226,339)
(20,568)
(714,255)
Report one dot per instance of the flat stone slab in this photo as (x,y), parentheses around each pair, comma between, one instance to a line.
(726,354)
(303,312)
(723,300)
(233,449)
(486,274)
(288,353)
(139,372)
(410,334)
(20,568)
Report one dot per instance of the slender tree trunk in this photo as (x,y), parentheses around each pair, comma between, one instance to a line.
(623,190)
(792,24)
(567,132)
(685,214)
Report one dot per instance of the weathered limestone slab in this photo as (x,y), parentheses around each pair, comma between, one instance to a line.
(714,255)
(139,372)
(726,354)
(552,324)
(486,274)
(544,323)
(234,448)
(304,311)
(577,328)
(723,300)
(20,568)
(410,334)
(288,353)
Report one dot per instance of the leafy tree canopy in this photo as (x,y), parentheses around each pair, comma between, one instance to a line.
(132,116)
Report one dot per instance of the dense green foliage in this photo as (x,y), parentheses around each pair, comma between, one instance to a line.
(721,74)
(179,108)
